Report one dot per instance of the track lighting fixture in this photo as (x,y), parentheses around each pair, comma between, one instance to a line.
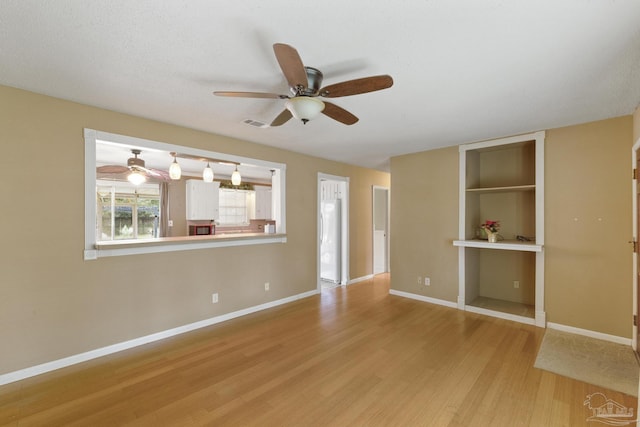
(207,174)
(236,179)
(174,170)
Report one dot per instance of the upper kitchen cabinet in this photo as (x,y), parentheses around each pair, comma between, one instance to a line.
(263,202)
(202,200)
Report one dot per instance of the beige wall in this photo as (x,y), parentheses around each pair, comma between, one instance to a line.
(424,221)
(53,304)
(588,277)
(588,262)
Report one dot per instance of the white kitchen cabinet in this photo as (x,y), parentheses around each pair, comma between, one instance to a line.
(263,202)
(503,180)
(202,200)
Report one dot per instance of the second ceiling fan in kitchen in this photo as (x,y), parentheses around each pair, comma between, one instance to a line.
(135,172)
(305,85)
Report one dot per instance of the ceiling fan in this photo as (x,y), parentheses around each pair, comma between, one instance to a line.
(305,86)
(136,172)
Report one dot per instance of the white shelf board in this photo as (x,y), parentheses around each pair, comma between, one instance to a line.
(513,188)
(505,245)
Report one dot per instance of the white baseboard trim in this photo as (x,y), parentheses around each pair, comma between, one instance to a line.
(360,279)
(500,315)
(541,318)
(423,298)
(592,334)
(104,351)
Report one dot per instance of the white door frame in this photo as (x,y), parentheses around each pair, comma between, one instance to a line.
(634,189)
(386,227)
(344,226)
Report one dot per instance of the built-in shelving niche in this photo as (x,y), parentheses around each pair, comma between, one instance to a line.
(503,180)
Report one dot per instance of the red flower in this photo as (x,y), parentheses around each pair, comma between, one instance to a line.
(492,226)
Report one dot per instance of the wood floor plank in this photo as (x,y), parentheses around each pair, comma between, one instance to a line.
(351,356)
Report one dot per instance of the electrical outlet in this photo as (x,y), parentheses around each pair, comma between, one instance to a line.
(266,286)
(170,223)
(214,298)
(427,281)
(516,284)
(419,280)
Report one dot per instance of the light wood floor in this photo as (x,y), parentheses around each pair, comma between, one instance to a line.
(348,357)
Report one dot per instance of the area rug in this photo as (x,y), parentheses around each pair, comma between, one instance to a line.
(591,360)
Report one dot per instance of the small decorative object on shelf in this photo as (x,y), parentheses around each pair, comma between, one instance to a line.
(491,228)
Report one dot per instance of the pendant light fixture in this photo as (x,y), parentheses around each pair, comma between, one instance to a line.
(207,174)
(236,179)
(174,170)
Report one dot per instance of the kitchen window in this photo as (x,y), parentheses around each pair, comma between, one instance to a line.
(127,212)
(236,206)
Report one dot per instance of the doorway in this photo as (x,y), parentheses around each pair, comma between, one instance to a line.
(380,229)
(333,230)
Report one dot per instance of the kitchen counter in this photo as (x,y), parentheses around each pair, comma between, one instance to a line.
(169,244)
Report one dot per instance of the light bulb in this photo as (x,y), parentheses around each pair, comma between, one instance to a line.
(207,174)
(136,178)
(236,179)
(174,170)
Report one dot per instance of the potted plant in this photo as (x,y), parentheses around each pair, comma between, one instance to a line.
(491,228)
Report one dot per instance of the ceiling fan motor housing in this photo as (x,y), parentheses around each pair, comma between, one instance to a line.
(135,161)
(314,82)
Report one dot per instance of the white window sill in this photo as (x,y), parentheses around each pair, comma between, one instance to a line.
(172,244)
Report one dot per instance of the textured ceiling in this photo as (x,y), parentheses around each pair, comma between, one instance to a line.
(464,70)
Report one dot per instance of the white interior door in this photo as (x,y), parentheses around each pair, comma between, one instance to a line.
(380,230)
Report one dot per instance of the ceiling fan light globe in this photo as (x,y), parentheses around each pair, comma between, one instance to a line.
(207,174)
(175,171)
(136,178)
(304,108)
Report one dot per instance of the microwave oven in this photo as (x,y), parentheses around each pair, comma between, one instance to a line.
(202,230)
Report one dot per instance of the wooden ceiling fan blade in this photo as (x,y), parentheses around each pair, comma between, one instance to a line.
(282,118)
(250,95)
(338,113)
(112,169)
(357,86)
(160,174)
(157,173)
(291,65)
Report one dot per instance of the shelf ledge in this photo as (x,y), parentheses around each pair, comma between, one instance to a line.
(513,188)
(505,245)
(180,243)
